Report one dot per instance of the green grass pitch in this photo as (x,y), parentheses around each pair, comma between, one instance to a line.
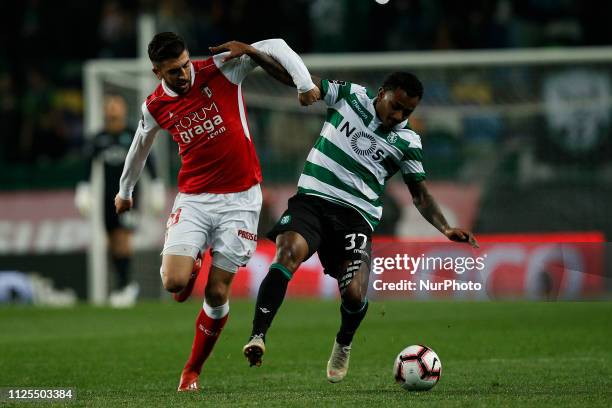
(512,354)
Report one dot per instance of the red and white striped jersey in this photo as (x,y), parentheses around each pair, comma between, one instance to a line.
(209,123)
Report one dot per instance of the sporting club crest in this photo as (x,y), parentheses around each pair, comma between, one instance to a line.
(391,138)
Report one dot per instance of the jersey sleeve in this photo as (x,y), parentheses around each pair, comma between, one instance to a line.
(150,166)
(411,165)
(238,68)
(235,70)
(138,153)
(333,91)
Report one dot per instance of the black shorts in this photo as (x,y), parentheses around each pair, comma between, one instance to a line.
(336,232)
(113,221)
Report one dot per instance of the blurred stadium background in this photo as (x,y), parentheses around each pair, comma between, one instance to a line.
(516,124)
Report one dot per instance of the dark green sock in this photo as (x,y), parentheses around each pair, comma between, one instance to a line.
(269,298)
(351,319)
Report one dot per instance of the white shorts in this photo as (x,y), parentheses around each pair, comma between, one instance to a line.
(227,223)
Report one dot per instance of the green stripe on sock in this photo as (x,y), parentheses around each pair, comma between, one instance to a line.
(363,305)
(281,268)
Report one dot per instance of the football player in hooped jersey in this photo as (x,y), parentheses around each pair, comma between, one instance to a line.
(200,104)
(364,141)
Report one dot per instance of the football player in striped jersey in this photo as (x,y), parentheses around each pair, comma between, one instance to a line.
(366,139)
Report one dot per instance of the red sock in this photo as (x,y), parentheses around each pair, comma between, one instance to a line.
(207,332)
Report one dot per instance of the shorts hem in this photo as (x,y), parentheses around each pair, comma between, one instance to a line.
(182,250)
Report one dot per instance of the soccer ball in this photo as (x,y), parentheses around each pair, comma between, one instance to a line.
(417,368)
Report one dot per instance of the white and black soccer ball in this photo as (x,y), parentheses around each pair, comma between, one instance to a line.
(417,368)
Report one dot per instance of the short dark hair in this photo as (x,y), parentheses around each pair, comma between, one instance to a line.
(165,46)
(406,81)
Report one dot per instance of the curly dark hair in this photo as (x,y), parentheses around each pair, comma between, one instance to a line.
(406,81)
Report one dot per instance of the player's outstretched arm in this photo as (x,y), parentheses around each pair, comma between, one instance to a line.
(276,58)
(135,160)
(236,49)
(430,210)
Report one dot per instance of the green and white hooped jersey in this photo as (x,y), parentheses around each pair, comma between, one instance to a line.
(353,158)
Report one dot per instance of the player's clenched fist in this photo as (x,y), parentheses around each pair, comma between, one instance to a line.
(122,205)
(310,97)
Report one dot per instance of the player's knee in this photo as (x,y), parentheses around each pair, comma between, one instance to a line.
(353,297)
(290,253)
(216,294)
(121,251)
(286,258)
(172,285)
(172,282)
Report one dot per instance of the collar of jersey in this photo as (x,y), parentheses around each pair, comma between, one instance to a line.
(377,121)
(169,91)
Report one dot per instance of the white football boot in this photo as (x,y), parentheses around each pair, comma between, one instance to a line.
(254,351)
(338,363)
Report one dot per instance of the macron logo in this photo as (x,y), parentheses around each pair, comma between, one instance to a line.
(264,310)
(170,114)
